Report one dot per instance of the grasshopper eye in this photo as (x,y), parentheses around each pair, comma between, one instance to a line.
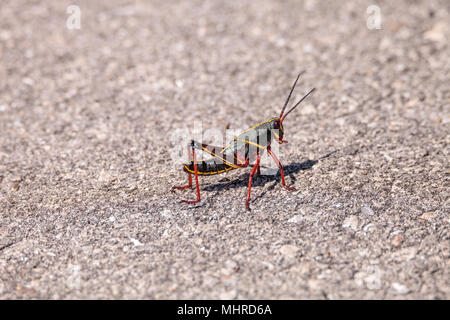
(276,125)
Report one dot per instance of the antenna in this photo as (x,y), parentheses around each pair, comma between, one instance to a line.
(290,93)
(298,103)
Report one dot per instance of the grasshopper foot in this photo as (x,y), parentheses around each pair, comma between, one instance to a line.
(289,188)
(180,188)
(190,201)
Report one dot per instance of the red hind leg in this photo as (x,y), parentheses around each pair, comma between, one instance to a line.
(269,151)
(255,167)
(196,180)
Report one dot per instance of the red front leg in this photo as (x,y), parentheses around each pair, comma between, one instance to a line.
(269,151)
(255,167)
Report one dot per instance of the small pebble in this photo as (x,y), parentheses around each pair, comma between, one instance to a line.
(427,216)
(289,250)
(136,242)
(437,33)
(295,219)
(367,211)
(229,295)
(397,240)
(351,222)
(400,288)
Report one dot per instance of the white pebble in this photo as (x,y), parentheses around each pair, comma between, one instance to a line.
(351,222)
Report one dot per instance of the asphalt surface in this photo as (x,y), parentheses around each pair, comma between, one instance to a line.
(86,123)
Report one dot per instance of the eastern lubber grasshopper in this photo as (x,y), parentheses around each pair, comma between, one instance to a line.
(244,149)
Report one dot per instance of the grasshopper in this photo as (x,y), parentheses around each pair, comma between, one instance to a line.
(245,148)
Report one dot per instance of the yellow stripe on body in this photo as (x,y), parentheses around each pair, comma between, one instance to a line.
(252,128)
(216,156)
(240,160)
(207,173)
(252,143)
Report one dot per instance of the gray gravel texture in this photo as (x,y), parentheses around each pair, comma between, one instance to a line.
(85,170)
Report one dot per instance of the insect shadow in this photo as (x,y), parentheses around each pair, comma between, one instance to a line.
(242,180)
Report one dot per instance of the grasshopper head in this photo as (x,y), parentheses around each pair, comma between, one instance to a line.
(278,130)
